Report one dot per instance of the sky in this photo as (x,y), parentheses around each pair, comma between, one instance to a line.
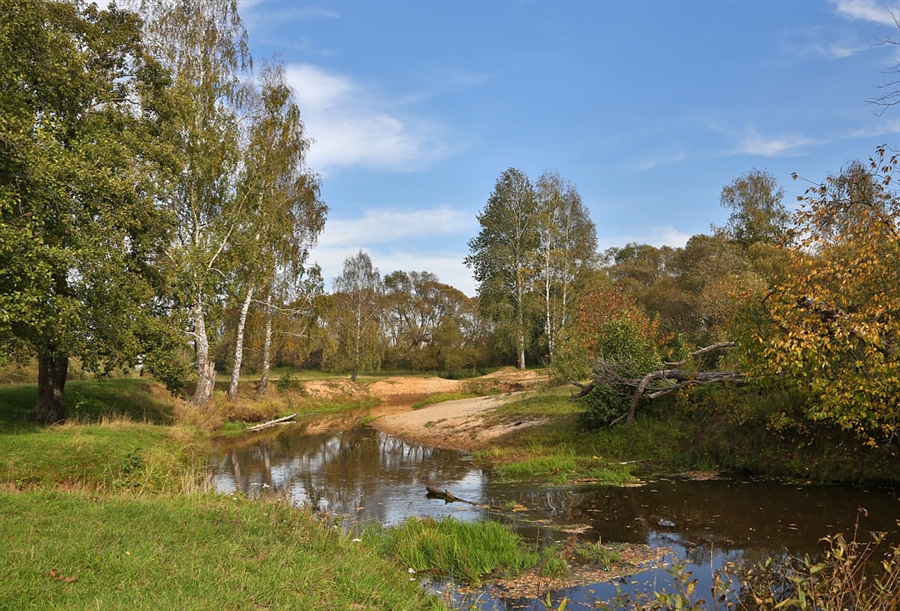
(649,108)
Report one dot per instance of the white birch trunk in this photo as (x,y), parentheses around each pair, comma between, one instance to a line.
(239,347)
(263,386)
(206,370)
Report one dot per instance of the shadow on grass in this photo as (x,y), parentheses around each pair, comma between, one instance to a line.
(89,401)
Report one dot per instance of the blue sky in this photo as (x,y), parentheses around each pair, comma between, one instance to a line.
(649,108)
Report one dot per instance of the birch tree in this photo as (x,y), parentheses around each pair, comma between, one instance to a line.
(568,244)
(502,255)
(273,243)
(203,44)
(357,296)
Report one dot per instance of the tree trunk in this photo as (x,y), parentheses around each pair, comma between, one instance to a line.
(206,370)
(239,347)
(263,386)
(52,371)
(357,349)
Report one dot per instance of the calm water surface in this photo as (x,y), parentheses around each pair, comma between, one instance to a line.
(366,475)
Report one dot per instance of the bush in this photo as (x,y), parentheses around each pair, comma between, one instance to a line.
(287,382)
(601,406)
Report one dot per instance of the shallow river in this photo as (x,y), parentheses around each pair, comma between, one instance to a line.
(367,475)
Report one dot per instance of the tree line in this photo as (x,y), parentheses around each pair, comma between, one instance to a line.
(156,210)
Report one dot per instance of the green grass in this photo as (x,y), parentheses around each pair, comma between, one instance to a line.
(465,551)
(77,551)
(563,469)
(138,399)
(558,450)
(105,456)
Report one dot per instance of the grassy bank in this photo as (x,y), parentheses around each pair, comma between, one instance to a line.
(108,511)
(77,551)
(719,429)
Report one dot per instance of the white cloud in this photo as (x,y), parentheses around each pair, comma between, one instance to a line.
(751,142)
(352,125)
(866,10)
(650,163)
(382,226)
(754,143)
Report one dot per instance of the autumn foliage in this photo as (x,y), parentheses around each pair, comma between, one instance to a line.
(607,324)
(831,327)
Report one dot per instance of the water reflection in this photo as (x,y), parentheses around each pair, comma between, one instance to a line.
(368,475)
(360,472)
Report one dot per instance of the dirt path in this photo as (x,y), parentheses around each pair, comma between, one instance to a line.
(463,424)
(458,425)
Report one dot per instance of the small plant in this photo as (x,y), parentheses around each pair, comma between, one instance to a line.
(287,383)
(596,553)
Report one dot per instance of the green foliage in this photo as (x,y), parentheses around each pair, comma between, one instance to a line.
(287,382)
(502,258)
(80,228)
(608,325)
(757,214)
(601,406)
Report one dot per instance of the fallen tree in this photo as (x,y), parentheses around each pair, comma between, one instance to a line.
(656,383)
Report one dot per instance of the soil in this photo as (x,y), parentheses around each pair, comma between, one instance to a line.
(462,424)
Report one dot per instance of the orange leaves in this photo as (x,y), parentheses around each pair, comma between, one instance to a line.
(54,574)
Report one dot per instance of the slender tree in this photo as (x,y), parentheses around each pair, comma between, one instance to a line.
(272,244)
(568,244)
(204,46)
(78,229)
(757,214)
(502,255)
(357,294)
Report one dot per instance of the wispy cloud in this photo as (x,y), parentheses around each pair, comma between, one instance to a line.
(352,124)
(651,163)
(400,241)
(781,145)
(750,141)
(656,235)
(866,10)
(280,13)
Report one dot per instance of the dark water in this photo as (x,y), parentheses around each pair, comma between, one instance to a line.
(367,475)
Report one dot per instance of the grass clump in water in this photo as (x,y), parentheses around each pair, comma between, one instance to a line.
(465,552)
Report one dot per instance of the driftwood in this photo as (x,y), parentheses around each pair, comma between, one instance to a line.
(435,493)
(265,425)
(657,383)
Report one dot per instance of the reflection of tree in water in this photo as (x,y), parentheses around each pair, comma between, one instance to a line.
(724,516)
(342,472)
(365,473)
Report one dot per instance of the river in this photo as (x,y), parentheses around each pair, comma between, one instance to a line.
(363,474)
